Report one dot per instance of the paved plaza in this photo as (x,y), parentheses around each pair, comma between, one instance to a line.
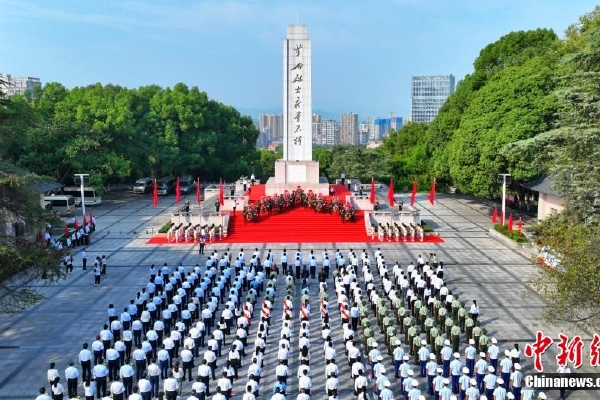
(477,267)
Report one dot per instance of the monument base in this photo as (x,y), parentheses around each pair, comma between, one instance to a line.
(289,175)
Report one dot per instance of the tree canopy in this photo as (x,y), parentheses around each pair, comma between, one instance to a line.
(120,134)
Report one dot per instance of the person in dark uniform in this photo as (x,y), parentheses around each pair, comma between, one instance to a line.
(202,245)
(217,206)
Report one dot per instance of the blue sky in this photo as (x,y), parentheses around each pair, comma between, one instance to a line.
(364,52)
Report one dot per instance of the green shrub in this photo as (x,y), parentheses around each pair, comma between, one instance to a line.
(165,227)
(426,228)
(514,235)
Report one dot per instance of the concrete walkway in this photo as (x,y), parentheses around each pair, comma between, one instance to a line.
(478,267)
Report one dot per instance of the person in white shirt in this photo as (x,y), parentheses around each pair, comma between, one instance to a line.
(52,373)
(219,395)
(43,395)
(225,386)
(135,395)
(117,389)
(171,386)
(58,389)
(71,375)
(305,382)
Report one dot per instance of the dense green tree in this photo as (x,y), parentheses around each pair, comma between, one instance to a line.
(359,162)
(266,164)
(324,156)
(119,134)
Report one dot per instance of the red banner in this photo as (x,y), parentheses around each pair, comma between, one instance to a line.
(520,225)
(155,195)
(413,195)
(372,196)
(510,223)
(221,192)
(177,192)
(391,193)
(432,192)
(198,196)
(495,215)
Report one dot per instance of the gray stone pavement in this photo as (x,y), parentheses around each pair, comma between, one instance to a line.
(478,267)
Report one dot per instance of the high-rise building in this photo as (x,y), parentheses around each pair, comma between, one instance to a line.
(317,130)
(330,132)
(382,128)
(395,123)
(18,84)
(366,131)
(429,92)
(271,127)
(349,128)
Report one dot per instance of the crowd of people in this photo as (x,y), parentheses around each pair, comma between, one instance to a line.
(187,334)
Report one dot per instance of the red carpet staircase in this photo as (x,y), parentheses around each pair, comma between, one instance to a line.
(297,225)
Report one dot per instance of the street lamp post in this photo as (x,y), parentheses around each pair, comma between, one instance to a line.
(505,178)
(81,184)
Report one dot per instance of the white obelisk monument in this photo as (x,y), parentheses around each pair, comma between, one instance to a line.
(297,167)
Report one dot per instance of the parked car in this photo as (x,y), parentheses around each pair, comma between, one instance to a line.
(142,185)
(165,186)
(187,185)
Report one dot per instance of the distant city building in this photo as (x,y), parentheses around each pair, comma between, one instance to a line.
(317,128)
(349,128)
(395,123)
(270,127)
(366,131)
(330,132)
(19,84)
(382,128)
(429,92)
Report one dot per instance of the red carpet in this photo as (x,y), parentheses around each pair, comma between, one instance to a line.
(258,191)
(298,226)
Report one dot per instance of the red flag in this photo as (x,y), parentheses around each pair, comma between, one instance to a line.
(221,192)
(84,221)
(155,195)
(177,192)
(76,225)
(91,218)
(66,230)
(495,215)
(198,197)
(501,219)
(510,223)
(372,197)
(520,224)
(413,195)
(391,193)
(432,192)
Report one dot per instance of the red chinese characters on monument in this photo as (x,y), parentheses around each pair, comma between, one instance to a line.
(570,351)
(535,350)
